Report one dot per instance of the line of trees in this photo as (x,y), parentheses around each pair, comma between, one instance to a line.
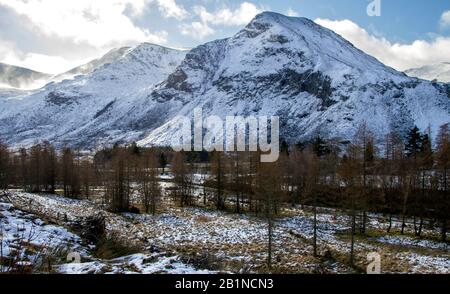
(114,173)
(399,177)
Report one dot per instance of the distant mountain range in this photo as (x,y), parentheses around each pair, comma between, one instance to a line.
(312,78)
(439,72)
(18,77)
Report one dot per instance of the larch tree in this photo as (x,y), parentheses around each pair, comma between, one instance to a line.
(182,174)
(218,173)
(69,173)
(148,181)
(350,176)
(269,191)
(443,166)
(4,167)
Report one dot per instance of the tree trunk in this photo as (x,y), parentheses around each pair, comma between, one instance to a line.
(419,232)
(269,249)
(403,224)
(352,246)
(315,231)
(390,223)
(444,231)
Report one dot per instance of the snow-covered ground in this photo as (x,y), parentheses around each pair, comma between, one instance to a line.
(183,240)
(28,241)
(133,264)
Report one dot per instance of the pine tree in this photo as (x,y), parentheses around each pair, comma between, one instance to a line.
(413,143)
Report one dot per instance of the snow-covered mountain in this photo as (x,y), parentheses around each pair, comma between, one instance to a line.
(107,105)
(439,72)
(110,57)
(18,77)
(310,77)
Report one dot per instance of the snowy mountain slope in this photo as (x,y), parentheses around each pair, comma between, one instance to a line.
(439,72)
(312,78)
(18,77)
(106,105)
(110,57)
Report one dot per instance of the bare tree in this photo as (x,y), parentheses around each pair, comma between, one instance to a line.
(443,165)
(218,173)
(4,167)
(182,173)
(148,180)
(269,191)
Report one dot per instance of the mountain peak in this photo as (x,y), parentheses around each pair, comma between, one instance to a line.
(284,20)
(275,16)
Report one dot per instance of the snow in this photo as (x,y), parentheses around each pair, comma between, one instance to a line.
(133,264)
(104,103)
(409,241)
(310,77)
(247,74)
(16,77)
(439,72)
(231,242)
(30,238)
(426,264)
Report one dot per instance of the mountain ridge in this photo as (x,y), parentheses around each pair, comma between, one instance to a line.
(12,76)
(438,71)
(309,76)
(310,86)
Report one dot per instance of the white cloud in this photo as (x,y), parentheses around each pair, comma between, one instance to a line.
(292,12)
(240,16)
(197,30)
(101,23)
(39,62)
(221,17)
(445,19)
(95,26)
(397,55)
(170,8)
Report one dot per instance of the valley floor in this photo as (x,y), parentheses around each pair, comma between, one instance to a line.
(37,233)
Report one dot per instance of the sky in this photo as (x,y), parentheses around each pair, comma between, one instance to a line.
(54,36)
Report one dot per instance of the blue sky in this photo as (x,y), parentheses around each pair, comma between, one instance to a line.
(400,20)
(53,35)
